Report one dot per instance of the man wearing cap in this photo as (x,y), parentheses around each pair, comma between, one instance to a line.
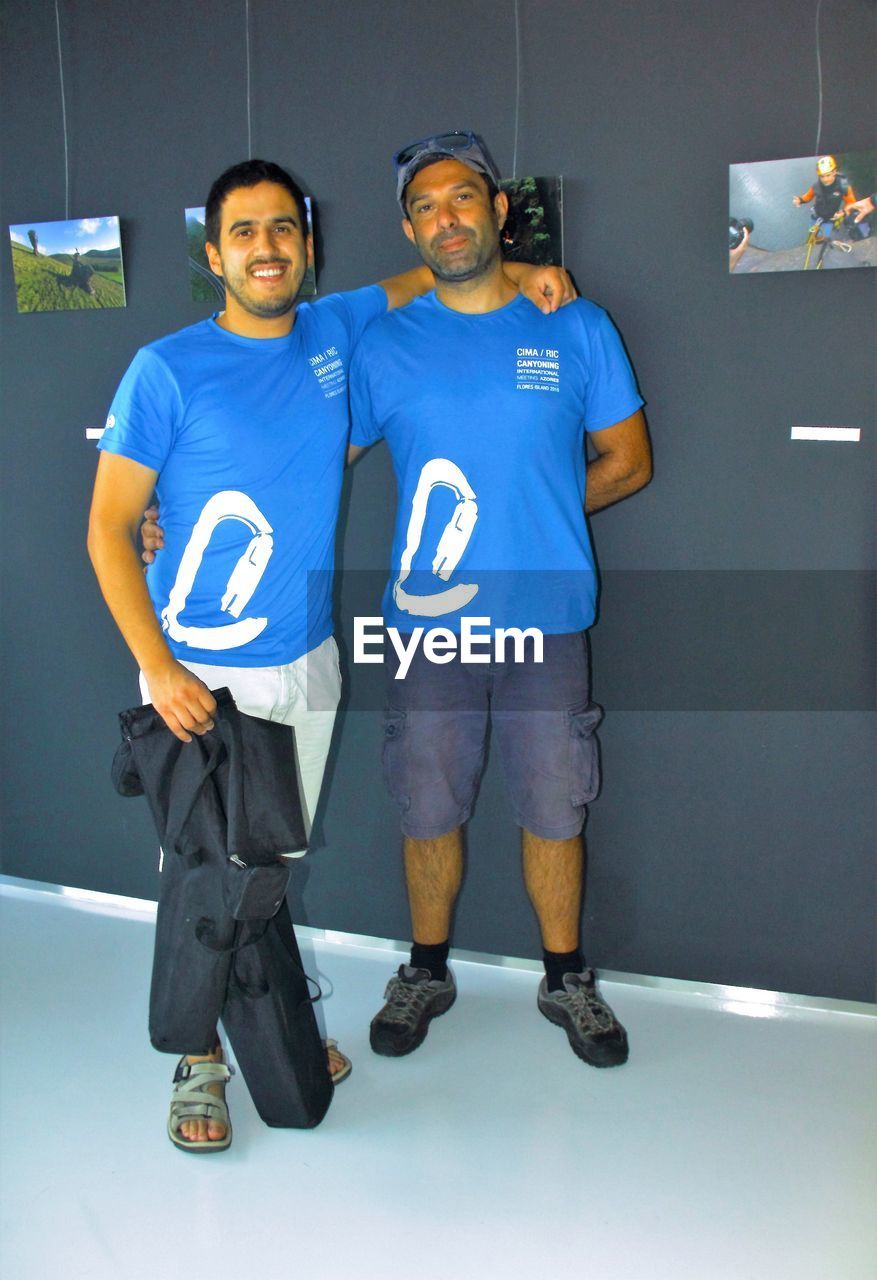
(484,405)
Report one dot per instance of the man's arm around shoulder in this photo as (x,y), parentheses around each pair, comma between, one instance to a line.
(407,286)
(548,288)
(122,489)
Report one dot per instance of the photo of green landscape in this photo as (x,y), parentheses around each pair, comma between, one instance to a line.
(68,266)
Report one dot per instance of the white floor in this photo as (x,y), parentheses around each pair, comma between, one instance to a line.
(738,1143)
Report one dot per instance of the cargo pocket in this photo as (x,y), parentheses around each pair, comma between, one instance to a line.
(394,757)
(584,753)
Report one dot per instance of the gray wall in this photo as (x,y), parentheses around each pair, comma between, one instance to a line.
(733,840)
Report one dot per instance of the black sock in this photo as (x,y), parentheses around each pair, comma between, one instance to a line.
(557,963)
(433,957)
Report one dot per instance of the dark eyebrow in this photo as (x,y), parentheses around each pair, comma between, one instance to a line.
(458,186)
(274,222)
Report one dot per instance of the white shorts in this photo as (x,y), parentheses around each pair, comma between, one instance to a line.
(303,694)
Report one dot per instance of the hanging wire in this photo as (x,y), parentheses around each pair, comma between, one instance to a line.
(819,77)
(517,87)
(249,94)
(63,118)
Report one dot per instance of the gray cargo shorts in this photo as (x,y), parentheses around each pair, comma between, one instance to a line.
(436,726)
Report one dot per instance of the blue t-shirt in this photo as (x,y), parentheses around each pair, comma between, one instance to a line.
(485,418)
(249,437)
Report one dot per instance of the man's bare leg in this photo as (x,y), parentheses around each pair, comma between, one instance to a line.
(433,874)
(553,878)
(425,989)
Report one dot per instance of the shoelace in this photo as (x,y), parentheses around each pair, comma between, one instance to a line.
(589,1010)
(403,998)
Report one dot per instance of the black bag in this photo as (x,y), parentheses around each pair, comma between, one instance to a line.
(254,893)
(269,1019)
(194,941)
(225,806)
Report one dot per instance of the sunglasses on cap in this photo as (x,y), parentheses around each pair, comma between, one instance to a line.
(460,145)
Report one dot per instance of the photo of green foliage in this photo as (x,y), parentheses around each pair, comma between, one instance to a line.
(208,287)
(534,228)
(74,265)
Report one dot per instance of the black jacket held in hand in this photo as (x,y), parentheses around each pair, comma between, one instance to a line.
(225,806)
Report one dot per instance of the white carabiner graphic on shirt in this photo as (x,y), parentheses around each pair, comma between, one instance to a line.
(451,545)
(229,504)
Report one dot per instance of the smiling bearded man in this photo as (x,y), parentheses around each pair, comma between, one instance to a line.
(244,439)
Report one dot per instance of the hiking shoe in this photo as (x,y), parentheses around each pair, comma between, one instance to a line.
(413,1000)
(591,1027)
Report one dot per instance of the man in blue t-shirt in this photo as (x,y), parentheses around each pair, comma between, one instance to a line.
(240,424)
(484,404)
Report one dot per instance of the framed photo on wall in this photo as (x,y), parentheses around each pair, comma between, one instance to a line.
(75,265)
(810,213)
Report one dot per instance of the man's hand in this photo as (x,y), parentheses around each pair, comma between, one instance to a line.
(546,287)
(861,208)
(737,254)
(182,700)
(796,200)
(151,534)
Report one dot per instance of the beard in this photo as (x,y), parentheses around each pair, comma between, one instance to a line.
(237,284)
(465,264)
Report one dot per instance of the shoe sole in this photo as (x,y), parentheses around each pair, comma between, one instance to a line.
(391,1050)
(205,1148)
(596,1055)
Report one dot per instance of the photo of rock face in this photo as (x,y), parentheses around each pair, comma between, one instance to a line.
(810,213)
(68,266)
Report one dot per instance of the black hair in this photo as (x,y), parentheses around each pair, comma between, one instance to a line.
(436,158)
(249,173)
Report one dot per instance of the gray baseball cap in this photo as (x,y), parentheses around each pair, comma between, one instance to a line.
(462,145)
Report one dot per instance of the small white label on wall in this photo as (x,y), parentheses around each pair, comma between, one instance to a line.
(94,433)
(827,433)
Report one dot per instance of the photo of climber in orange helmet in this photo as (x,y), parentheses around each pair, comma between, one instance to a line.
(832,195)
(768,225)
